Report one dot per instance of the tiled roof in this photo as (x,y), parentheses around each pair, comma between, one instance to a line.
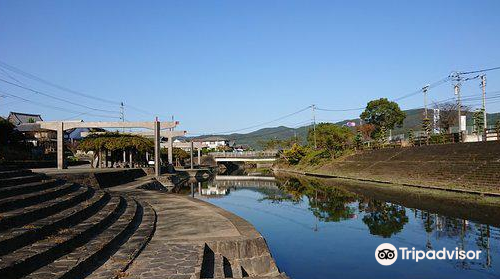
(17,118)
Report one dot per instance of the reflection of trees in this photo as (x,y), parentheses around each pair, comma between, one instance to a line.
(461,231)
(384,219)
(294,188)
(275,195)
(483,242)
(328,204)
(331,204)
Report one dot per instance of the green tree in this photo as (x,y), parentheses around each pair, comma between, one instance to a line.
(178,155)
(294,154)
(478,117)
(275,144)
(331,137)
(426,126)
(358,139)
(411,139)
(383,114)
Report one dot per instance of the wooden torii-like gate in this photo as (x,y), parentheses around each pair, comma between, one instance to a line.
(61,126)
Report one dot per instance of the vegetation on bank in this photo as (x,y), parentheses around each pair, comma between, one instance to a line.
(327,141)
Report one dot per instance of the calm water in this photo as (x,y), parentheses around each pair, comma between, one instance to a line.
(319,231)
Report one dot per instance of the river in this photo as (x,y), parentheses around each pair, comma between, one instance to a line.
(315,230)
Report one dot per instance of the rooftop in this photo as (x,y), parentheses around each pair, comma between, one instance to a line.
(18,118)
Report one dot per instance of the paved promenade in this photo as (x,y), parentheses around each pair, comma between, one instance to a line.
(186,229)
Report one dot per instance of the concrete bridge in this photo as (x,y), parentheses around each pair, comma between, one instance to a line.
(245,156)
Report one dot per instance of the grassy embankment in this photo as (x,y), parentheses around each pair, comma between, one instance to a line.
(446,167)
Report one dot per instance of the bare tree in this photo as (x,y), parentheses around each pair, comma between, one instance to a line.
(448,115)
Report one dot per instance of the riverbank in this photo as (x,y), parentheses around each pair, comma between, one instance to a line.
(467,168)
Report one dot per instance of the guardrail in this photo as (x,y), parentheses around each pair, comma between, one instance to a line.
(244,154)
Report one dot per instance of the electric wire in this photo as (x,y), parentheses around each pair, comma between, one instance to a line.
(55,97)
(56,107)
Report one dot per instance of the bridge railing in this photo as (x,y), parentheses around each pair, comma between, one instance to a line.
(244,154)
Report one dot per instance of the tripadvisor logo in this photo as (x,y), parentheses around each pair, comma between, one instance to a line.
(387,254)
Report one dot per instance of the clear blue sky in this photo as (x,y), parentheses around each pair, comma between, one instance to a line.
(221,65)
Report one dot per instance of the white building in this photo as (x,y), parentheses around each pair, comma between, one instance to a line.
(213,142)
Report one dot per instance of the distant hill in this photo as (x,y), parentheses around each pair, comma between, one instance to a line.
(413,121)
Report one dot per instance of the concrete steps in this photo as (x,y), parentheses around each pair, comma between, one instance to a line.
(14,173)
(4,182)
(53,229)
(216,265)
(11,191)
(19,236)
(26,200)
(131,248)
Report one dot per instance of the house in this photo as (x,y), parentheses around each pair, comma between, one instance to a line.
(18,118)
(214,142)
(44,139)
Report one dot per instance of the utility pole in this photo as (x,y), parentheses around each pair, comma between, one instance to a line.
(459,107)
(122,115)
(314,125)
(424,90)
(483,87)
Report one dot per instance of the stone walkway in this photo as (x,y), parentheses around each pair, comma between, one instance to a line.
(163,260)
(184,226)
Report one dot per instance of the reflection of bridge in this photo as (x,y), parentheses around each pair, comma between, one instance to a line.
(245,156)
(244,181)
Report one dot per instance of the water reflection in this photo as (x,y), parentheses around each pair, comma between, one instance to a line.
(328,204)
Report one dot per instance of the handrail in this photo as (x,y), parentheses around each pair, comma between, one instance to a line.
(243,154)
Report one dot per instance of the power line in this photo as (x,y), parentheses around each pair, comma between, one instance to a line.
(55,97)
(265,123)
(11,68)
(39,79)
(340,110)
(55,107)
(283,129)
(479,71)
(432,85)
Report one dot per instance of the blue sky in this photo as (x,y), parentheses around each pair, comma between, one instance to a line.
(221,65)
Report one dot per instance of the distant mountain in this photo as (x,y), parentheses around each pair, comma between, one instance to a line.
(413,121)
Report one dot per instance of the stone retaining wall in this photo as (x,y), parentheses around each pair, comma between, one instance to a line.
(102,179)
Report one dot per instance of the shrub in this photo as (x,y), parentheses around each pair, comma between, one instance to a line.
(294,154)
